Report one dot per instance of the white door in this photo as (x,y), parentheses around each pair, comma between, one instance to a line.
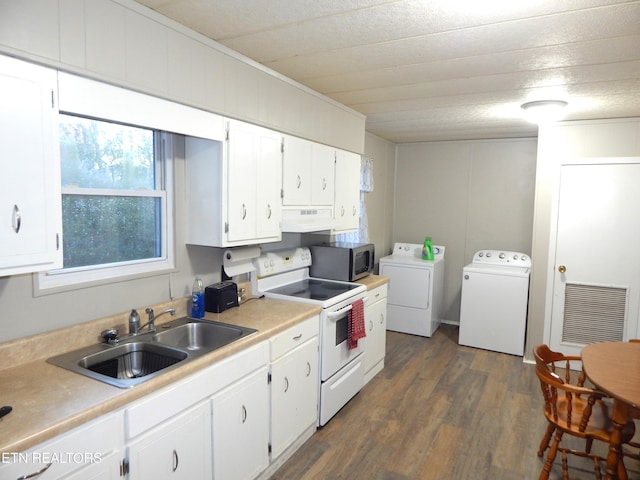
(242,182)
(596,280)
(269,185)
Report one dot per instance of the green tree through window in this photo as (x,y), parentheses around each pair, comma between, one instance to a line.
(112,200)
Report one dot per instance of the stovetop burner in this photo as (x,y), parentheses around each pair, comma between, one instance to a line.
(314,289)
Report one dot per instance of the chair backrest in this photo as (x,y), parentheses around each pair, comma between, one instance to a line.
(567,402)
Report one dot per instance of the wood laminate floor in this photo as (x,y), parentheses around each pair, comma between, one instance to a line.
(437,411)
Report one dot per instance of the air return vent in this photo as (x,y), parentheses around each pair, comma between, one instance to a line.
(593,313)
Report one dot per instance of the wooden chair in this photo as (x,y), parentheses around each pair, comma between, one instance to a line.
(572,408)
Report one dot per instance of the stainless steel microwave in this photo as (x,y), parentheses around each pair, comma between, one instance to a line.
(342,261)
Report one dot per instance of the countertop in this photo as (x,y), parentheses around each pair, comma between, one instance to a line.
(48,400)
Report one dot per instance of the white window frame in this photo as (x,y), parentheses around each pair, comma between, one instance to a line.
(55,281)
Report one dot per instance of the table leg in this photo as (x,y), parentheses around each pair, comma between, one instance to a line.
(614,469)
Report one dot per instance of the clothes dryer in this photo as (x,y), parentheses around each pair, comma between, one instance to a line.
(414,301)
(493,308)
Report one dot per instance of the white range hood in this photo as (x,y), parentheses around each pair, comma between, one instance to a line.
(305,220)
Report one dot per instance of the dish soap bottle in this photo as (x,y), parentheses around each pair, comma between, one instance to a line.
(427,249)
(197,299)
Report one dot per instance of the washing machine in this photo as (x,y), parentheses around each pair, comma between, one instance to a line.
(493,309)
(414,299)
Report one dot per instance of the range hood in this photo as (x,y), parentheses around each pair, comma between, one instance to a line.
(305,220)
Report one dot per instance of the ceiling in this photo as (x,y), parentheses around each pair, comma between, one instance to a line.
(423,70)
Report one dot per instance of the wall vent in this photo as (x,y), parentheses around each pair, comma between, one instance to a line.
(593,313)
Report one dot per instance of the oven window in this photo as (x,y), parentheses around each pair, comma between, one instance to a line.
(341,330)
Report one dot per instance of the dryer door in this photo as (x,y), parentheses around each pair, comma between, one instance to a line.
(408,286)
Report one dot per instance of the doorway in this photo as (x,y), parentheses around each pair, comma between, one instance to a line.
(596,276)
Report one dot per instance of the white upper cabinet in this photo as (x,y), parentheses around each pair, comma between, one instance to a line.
(308,173)
(234,188)
(30,201)
(323,164)
(347,193)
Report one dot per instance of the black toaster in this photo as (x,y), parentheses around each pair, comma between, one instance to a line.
(220,297)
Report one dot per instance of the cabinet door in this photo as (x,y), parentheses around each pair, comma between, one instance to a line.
(294,395)
(241,182)
(296,171)
(347,194)
(241,429)
(107,469)
(323,164)
(30,202)
(375,319)
(269,185)
(178,449)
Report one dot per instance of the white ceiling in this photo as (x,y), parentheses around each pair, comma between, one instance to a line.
(425,70)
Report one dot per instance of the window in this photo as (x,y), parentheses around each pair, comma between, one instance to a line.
(114,201)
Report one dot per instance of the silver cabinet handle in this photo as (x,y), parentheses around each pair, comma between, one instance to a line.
(268,211)
(244,211)
(324,184)
(17,219)
(298,182)
(35,474)
(381,318)
(286,384)
(175,460)
(244,414)
(298,337)
(370,325)
(308,369)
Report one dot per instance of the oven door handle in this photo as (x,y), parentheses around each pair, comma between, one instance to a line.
(333,316)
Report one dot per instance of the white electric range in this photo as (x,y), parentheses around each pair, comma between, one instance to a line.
(284,275)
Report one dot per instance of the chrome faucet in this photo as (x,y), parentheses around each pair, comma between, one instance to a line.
(153,317)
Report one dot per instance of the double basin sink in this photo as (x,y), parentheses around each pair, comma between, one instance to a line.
(138,358)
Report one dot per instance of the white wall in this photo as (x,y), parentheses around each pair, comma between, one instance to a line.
(124,43)
(468,196)
(379,203)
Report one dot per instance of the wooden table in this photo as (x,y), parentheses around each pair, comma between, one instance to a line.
(614,368)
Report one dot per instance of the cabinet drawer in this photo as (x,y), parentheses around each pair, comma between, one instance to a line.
(294,336)
(88,444)
(376,294)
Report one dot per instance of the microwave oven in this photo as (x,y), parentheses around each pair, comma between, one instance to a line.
(342,261)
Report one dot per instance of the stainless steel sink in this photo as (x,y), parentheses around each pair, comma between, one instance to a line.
(198,335)
(139,358)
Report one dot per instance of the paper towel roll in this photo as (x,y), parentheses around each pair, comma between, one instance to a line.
(239,260)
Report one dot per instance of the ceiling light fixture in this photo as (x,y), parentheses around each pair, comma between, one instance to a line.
(541,111)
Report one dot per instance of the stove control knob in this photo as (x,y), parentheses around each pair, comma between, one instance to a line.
(481,254)
(488,254)
(406,248)
(502,255)
(515,257)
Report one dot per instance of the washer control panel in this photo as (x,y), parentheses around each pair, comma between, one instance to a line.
(415,250)
(503,258)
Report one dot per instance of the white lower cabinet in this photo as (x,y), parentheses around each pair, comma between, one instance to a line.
(93,450)
(375,315)
(241,428)
(180,448)
(294,384)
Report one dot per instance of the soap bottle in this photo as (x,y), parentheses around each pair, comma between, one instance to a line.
(427,249)
(197,299)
